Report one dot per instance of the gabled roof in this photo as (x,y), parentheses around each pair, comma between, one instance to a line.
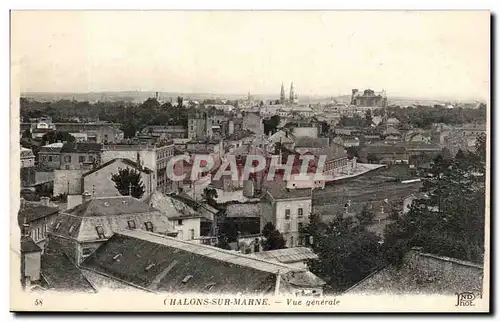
(124,160)
(159,263)
(243,210)
(171,207)
(110,206)
(60,272)
(31,212)
(288,255)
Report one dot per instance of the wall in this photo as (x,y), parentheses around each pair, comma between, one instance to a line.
(75,164)
(147,156)
(27,162)
(297,182)
(32,265)
(68,181)
(101,184)
(49,159)
(281,222)
(311,132)
(187,225)
(44,176)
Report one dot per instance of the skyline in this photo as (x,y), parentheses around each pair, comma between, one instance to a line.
(423,54)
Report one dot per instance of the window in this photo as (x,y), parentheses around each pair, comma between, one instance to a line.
(58,225)
(191,234)
(287,227)
(302,241)
(291,241)
(179,222)
(149,226)
(50,158)
(81,158)
(256,246)
(91,159)
(67,158)
(100,232)
(43,158)
(131,224)
(301,225)
(71,229)
(287,214)
(301,212)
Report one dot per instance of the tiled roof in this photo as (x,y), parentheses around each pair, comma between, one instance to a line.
(288,255)
(163,264)
(60,272)
(126,161)
(81,147)
(279,191)
(28,245)
(240,210)
(110,206)
(32,212)
(423,273)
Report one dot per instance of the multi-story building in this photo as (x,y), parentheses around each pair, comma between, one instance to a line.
(368,98)
(253,122)
(288,210)
(27,158)
(36,219)
(49,156)
(152,156)
(80,156)
(82,229)
(98,180)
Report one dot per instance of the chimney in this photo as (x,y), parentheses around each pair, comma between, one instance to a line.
(86,196)
(139,161)
(44,201)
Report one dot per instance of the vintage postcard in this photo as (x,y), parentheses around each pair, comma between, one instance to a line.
(253,161)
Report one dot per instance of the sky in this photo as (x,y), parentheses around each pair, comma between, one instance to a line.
(415,54)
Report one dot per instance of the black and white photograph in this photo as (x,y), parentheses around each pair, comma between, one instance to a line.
(280,161)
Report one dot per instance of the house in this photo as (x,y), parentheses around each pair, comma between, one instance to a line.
(170,265)
(425,274)
(368,98)
(95,132)
(386,154)
(288,210)
(80,156)
(241,217)
(376,120)
(392,134)
(183,218)
(98,180)
(152,156)
(253,122)
(87,226)
(346,141)
(37,219)
(27,158)
(296,257)
(394,122)
(49,155)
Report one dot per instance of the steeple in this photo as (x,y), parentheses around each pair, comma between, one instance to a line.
(282,94)
(292,93)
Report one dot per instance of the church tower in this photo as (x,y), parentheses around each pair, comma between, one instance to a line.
(282,95)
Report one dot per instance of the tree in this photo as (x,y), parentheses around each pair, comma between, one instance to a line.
(26,134)
(366,216)
(372,158)
(368,118)
(128,182)
(481,147)
(210,194)
(55,136)
(449,219)
(347,252)
(352,151)
(273,238)
(271,125)
(180,101)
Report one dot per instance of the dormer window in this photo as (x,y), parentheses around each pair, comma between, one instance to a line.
(149,226)
(71,229)
(58,225)
(100,232)
(131,224)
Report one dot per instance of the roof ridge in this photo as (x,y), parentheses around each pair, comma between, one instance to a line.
(131,233)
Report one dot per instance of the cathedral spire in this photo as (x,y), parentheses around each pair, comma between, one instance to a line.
(282,94)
